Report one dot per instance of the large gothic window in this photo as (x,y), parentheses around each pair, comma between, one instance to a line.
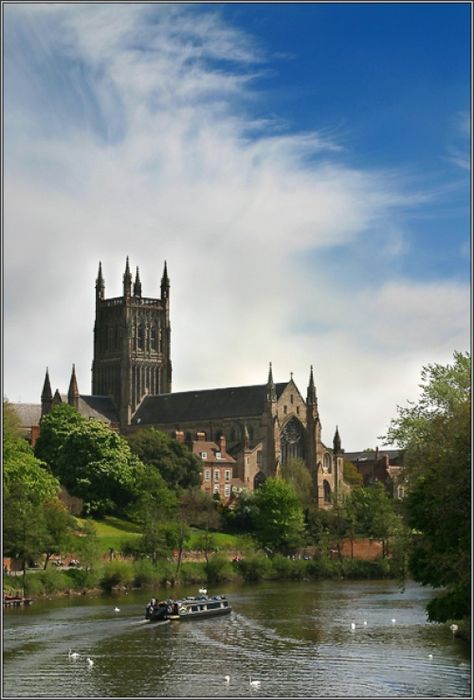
(141,337)
(292,441)
(153,338)
(327,463)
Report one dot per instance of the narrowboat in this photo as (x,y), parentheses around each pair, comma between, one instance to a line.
(189,608)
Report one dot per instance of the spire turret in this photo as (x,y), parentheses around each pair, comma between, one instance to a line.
(127,281)
(73,392)
(137,286)
(99,284)
(165,283)
(311,398)
(336,442)
(46,395)
(271,389)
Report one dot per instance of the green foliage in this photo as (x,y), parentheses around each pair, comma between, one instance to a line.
(278,519)
(436,434)
(173,460)
(352,476)
(296,473)
(55,428)
(255,567)
(371,512)
(240,518)
(27,488)
(219,569)
(93,462)
(199,509)
(116,573)
(58,528)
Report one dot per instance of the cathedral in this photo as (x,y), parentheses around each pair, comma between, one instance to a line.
(261,427)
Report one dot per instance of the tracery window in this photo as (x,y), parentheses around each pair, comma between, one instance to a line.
(153,338)
(327,492)
(292,441)
(141,337)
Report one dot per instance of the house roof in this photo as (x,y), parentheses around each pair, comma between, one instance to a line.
(369,455)
(211,449)
(179,407)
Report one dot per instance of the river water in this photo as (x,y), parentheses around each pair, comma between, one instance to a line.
(295,638)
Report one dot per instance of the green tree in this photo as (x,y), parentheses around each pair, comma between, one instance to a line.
(352,475)
(435,431)
(59,525)
(27,487)
(174,460)
(96,464)
(278,519)
(296,473)
(55,427)
(370,511)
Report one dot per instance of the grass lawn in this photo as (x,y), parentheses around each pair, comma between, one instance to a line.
(112,532)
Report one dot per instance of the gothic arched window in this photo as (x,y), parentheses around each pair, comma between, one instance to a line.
(153,338)
(292,441)
(327,462)
(141,337)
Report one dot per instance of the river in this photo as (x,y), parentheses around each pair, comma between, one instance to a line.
(295,638)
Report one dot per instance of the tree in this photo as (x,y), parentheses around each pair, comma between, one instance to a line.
(278,519)
(58,527)
(296,473)
(370,511)
(27,487)
(436,434)
(96,464)
(175,462)
(352,475)
(55,427)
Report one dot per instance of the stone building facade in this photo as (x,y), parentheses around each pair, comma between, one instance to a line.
(264,426)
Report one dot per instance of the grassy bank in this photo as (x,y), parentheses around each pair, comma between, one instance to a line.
(144,574)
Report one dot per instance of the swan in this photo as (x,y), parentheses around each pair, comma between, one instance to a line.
(254,684)
(89,661)
(353,626)
(393,620)
(73,654)
(365,623)
(430,656)
(116,609)
(227,679)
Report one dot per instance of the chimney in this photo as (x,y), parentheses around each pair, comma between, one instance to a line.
(179,435)
(222,444)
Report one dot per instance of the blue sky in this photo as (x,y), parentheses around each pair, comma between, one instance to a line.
(304,169)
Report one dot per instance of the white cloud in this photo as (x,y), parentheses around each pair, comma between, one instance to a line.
(165,160)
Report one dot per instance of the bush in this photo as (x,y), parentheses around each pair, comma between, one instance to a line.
(323,567)
(53,580)
(84,578)
(219,569)
(33,585)
(193,572)
(145,574)
(116,573)
(254,568)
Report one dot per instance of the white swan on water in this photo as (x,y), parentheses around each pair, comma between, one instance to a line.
(227,679)
(116,609)
(254,684)
(353,626)
(89,661)
(73,654)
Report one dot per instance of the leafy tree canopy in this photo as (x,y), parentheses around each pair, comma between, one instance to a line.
(175,462)
(352,475)
(436,433)
(278,520)
(296,473)
(55,427)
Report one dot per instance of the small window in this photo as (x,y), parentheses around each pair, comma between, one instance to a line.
(298,410)
(285,409)
(227,474)
(207,475)
(204,455)
(218,455)
(291,398)
(217,475)
(259,457)
(227,490)
(217,488)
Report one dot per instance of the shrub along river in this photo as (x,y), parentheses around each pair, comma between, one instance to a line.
(295,638)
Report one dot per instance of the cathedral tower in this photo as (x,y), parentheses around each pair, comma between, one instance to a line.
(131,344)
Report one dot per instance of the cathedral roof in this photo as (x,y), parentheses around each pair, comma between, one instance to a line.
(101,407)
(28,413)
(179,407)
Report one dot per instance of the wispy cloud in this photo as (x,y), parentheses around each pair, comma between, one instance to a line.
(131,130)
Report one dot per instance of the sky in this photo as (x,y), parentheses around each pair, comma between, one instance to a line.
(303,168)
